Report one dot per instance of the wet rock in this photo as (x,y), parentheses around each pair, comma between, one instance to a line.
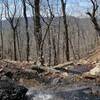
(93,73)
(9,90)
(9,74)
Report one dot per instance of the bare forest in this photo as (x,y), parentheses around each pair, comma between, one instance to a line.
(52,44)
(49,34)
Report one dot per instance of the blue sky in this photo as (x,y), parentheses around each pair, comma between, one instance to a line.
(76,8)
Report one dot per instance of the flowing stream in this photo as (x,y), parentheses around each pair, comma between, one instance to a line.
(61,95)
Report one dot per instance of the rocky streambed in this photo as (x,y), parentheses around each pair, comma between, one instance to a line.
(43,83)
(9,90)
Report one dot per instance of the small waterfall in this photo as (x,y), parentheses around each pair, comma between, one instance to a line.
(43,97)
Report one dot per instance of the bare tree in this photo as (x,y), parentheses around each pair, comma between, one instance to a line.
(54,47)
(13,21)
(1,32)
(49,45)
(27,32)
(66,29)
(59,32)
(93,15)
(39,37)
(37,30)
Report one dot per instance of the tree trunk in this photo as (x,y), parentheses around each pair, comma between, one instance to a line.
(18,44)
(38,32)
(49,44)
(14,43)
(27,33)
(66,30)
(58,43)
(1,39)
(54,47)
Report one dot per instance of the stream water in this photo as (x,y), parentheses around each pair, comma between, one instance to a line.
(63,92)
(60,95)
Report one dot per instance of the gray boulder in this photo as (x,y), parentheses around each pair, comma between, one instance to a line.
(9,90)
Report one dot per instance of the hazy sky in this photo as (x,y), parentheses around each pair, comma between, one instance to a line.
(73,7)
(78,7)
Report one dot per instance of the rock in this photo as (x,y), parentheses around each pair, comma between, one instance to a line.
(1,69)
(9,74)
(64,74)
(9,90)
(96,71)
(88,76)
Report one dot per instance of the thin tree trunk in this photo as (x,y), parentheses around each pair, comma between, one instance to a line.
(54,47)
(63,49)
(55,53)
(58,43)
(72,48)
(1,33)
(49,44)
(1,39)
(14,44)
(18,44)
